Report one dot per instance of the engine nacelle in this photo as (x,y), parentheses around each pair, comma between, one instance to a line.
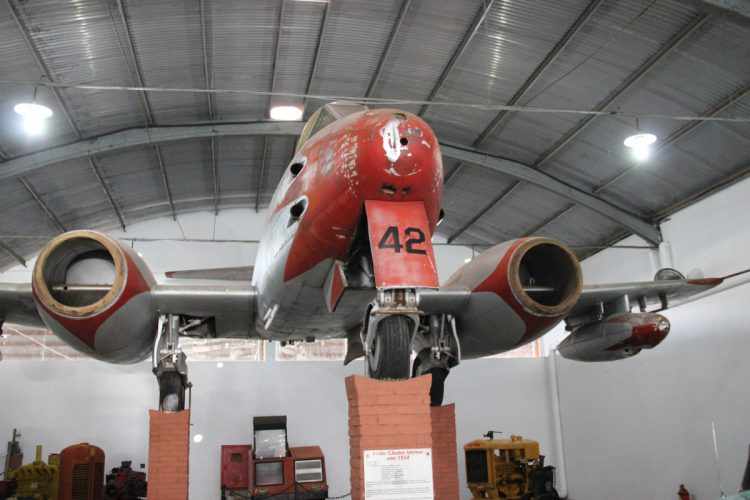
(94,293)
(520,289)
(619,336)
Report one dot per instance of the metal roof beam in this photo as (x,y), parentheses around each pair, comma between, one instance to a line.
(136,68)
(261,172)
(485,209)
(318,47)
(462,46)
(13,253)
(208,79)
(43,205)
(501,118)
(628,84)
(274,70)
(740,7)
(165,179)
(534,176)
(115,141)
(405,4)
(207,71)
(104,186)
(42,67)
(147,110)
(683,131)
(550,58)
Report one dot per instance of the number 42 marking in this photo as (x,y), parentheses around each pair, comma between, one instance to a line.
(412,236)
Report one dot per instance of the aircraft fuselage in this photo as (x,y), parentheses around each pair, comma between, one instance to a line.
(316,214)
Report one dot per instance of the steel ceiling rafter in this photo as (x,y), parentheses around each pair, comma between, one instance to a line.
(147,109)
(550,58)
(501,118)
(316,58)
(208,80)
(535,176)
(669,141)
(114,141)
(56,92)
(479,18)
(105,187)
(13,253)
(627,85)
(44,206)
(274,70)
(261,173)
(683,132)
(505,193)
(405,5)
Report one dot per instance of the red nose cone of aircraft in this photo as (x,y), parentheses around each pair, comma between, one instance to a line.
(400,161)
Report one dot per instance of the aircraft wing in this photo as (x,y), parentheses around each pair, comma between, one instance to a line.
(647,294)
(17,304)
(229,304)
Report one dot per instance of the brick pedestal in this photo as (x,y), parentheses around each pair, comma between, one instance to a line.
(168,452)
(387,415)
(444,452)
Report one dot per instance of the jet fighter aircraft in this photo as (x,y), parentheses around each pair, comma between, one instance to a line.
(347,253)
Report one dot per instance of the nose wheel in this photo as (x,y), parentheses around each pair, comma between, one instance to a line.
(390,355)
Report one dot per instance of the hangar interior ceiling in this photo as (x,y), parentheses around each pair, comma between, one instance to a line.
(650,56)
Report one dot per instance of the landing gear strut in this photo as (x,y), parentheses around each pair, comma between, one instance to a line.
(170,365)
(394,328)
(389,329)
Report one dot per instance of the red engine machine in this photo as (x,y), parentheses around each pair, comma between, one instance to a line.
(270,469)
(81,472)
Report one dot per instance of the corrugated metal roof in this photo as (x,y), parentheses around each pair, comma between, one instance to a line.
(86,41)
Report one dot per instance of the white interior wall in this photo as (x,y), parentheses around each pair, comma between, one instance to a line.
(58,403)
(638,428)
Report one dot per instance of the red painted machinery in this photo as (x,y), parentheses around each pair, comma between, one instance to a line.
(81,472)
(270,469)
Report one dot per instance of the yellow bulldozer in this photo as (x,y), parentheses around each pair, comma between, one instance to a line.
(509,469)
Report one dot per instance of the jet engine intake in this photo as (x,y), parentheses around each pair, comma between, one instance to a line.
(519,290)
(619,336)
(94,293)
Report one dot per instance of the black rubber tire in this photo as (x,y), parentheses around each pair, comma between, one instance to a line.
(392,355)
(171,392)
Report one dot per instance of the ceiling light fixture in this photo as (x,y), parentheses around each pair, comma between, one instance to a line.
(34,116)
(640,144)
(286,113)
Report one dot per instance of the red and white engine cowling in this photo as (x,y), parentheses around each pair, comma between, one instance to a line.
(619,336)
(520,289)
(94,293)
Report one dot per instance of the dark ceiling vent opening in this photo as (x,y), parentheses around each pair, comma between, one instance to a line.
(296,168)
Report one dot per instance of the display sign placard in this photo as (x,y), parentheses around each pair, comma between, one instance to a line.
(398,474)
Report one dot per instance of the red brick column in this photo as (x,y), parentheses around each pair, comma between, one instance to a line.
(385,415)
(444,452)
(168,453)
